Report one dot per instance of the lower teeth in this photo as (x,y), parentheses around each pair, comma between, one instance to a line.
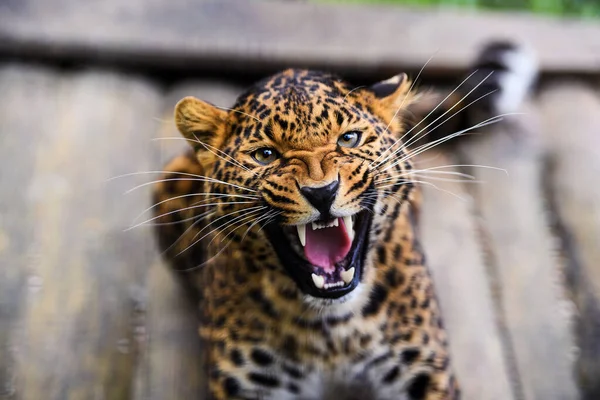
(330,285)
(347,277)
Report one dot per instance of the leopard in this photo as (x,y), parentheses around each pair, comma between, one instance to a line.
(293,219)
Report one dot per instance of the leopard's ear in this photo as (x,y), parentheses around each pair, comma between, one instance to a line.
(200,122)
(393,93)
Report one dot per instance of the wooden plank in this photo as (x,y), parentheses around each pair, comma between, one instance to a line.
(171,367)
(230,35)
(455,258)
(571,119)
(82,329)
(26,92)
(532,300)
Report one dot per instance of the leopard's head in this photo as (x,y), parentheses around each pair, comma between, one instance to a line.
(306,167)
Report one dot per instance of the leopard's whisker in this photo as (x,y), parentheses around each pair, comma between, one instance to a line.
(466,166)
(241,221)
(213,257)
(154,172)
(399,141)
(439,179)
(420,173)
(434,172)
(203,179)
(398,182)
(383,192)
(211,149)
(410,130)
(213,196)
(239,112)
(200,178)
(267,215)
(428,184)
(417,136)
(220,196)
(228,159)
(437,142)
(453,115)
(356,88)
(252,209)
(267,222)
(257,220)
(271,218)
(429,158)
(231,240)
(371,203)
(196,241)
(207,261)
(185,209)
(401,105)
(371,198)
(189,228)
(390,193)
(428,146)
(180,221)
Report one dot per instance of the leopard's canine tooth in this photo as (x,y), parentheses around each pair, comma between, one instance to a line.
(302,233)
(349,226)
(318,280)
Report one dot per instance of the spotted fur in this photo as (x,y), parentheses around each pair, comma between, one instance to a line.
(266,336)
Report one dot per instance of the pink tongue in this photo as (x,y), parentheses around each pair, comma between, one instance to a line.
(326,246)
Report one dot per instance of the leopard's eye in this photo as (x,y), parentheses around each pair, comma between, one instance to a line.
(265,155)
(349,139)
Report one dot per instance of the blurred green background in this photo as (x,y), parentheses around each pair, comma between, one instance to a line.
(576,8)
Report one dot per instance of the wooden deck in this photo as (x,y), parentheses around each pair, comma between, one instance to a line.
(251,37)
(89,311)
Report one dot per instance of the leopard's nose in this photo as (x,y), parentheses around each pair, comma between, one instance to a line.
(321,197)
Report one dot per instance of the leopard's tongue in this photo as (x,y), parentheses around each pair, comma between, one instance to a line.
(327,246)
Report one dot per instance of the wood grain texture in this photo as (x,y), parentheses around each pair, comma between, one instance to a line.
(571,137)
(82,326)
(26,92)
(456,261)
(248,36)
(171,364)
(523,257)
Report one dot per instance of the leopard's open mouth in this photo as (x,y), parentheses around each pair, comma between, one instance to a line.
(325,258)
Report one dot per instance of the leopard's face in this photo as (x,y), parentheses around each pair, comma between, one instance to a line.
(301,162)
